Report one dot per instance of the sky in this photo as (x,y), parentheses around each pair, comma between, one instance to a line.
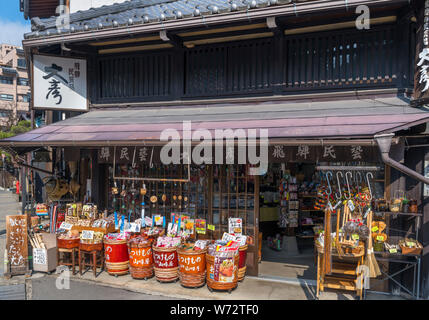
(12,23)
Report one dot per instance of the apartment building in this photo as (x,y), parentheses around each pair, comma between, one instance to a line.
(14,84)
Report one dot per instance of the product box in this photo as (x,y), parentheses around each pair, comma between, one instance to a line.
(45,260)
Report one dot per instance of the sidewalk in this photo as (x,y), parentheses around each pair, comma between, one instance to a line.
(8,206)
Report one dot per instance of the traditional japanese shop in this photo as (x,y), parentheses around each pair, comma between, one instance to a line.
(333,182)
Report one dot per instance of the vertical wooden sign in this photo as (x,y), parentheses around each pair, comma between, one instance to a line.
(16,245)
(421,78)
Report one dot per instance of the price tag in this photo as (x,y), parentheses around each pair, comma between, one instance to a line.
(351,205)
(410,244)
(367,211)
(133,227)
(228,237)
(66,226)
(87,235)
(394,250)
(374,229)
(337,205)
(211,227)
(380,238)
(355,236)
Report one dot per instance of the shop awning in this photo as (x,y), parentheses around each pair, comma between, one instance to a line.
(344,119)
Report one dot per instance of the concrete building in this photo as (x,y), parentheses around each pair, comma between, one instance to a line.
(14,84)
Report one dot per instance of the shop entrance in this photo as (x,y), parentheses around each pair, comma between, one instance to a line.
(289,220)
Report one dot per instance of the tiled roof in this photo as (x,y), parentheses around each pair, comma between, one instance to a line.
(144,11)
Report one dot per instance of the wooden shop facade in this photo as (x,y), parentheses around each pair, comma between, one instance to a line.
(329,89)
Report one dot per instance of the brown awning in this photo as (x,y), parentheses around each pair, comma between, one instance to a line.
(331,120)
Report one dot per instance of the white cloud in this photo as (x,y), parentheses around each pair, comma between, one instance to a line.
(12,32)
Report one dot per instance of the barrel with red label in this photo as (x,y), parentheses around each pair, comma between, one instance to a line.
(141,259)
(242,262)
(117,258)
(192,267)
(165,264)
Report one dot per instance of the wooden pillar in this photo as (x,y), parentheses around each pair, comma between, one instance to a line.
(424,233)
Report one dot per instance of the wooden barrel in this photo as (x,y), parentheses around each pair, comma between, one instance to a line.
(141,259)
(242,262)
(222,278)
(165,264)
(116,254)
(192,267)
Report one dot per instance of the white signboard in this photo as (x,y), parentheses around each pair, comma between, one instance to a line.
(39,256)
(87,235)
(60,83)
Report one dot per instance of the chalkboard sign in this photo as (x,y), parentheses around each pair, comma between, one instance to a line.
(16,245)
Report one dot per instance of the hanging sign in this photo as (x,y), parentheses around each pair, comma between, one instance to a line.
(60,83)
(421,77)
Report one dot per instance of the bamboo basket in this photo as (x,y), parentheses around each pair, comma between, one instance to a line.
(117,258)
(192,267)
(165,264)
(91,246)
(242,262)
(218,285)
(141,260)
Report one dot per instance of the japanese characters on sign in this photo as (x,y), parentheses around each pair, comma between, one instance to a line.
(60,83)
(421,80)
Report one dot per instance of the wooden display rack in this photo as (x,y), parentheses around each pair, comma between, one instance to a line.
(344,272)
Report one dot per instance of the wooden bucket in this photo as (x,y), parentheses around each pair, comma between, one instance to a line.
(218,281)
(165,264)
(192,267)
(242,262)
(68,243)
(116,254)
(141,260)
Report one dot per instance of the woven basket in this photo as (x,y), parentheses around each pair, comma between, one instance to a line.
(142,253)
(165,274)
(192,275)
(242,262)
(217,285)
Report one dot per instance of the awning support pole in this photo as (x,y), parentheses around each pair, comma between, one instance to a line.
(384,142)
(34,168)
